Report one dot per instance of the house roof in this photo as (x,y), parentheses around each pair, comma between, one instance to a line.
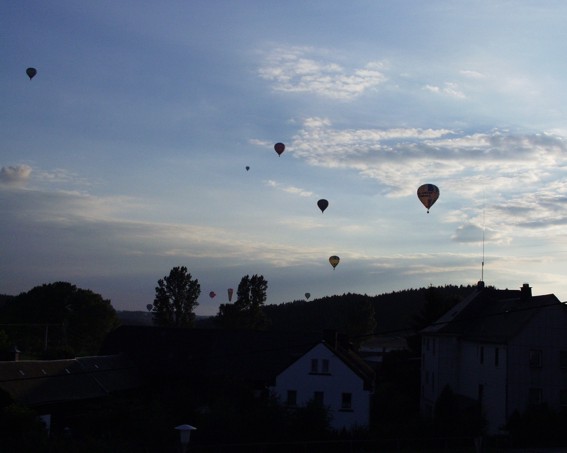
(492,315)
(256,356)
(356,363)
(36,383)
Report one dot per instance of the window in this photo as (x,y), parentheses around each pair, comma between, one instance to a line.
(314,365)
(496,356)
(563,359)
(535,396)
(291,398)
(535,358)
(318,398)
(346,401)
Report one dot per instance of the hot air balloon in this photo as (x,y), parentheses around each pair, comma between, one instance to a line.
(428,194)
(247,168)
(279,147)
(230,291)
(334,260)
(212,294)
(149,307)
(31,72)
(323,204)
(307,295)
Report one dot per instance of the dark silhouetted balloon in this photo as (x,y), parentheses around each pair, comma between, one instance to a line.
(149,307)
(230,291)
(31,72)
(428,195)
(307,295)
(280,148)
(247,168)
(212,294)
(323,204)
(334,260)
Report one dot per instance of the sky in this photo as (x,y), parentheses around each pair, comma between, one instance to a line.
(126,155)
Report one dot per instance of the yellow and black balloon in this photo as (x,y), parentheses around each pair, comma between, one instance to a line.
(334,260)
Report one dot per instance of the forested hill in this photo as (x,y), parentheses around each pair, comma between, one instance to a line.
(394,313)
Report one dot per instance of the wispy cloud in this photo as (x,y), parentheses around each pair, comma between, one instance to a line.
(450,89)
(395,156)
(307,70)
(16,175)
(289,189)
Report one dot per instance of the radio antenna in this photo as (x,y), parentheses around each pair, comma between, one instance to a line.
(483,232)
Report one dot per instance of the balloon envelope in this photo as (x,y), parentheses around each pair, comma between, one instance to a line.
(307,295)
(149,307)
(334,260)
(31,72)
(428,195)
(247,168)
(323,204)
(212,294)
(279,147)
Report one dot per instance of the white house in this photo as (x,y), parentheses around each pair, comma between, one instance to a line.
(505,349)
(333,376)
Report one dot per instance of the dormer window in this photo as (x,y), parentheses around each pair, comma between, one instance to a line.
(323,369)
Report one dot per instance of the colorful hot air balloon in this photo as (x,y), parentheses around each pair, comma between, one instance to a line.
(307,295)
(428,194)
(230,291)
(334,260)
(323,204)
(31,72)
(212,294)
(279,147)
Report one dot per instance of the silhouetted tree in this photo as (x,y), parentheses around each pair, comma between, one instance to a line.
(247,312)
(59,320)
(176,299)
(436,305)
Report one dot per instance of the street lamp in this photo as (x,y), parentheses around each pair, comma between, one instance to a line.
(184,434)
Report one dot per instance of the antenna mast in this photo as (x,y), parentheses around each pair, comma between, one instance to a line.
(483,230)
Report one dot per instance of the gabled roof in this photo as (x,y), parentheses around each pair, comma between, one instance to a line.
(41,382)
(254,356)
(492,315)
(356,363)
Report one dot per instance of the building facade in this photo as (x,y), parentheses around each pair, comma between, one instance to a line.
(506,350)
(325,376)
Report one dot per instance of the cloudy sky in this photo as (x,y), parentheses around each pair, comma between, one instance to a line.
(126,155)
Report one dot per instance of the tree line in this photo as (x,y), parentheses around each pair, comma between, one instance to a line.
(59,320)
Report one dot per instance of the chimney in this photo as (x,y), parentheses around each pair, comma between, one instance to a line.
(331,337)
(525,292)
